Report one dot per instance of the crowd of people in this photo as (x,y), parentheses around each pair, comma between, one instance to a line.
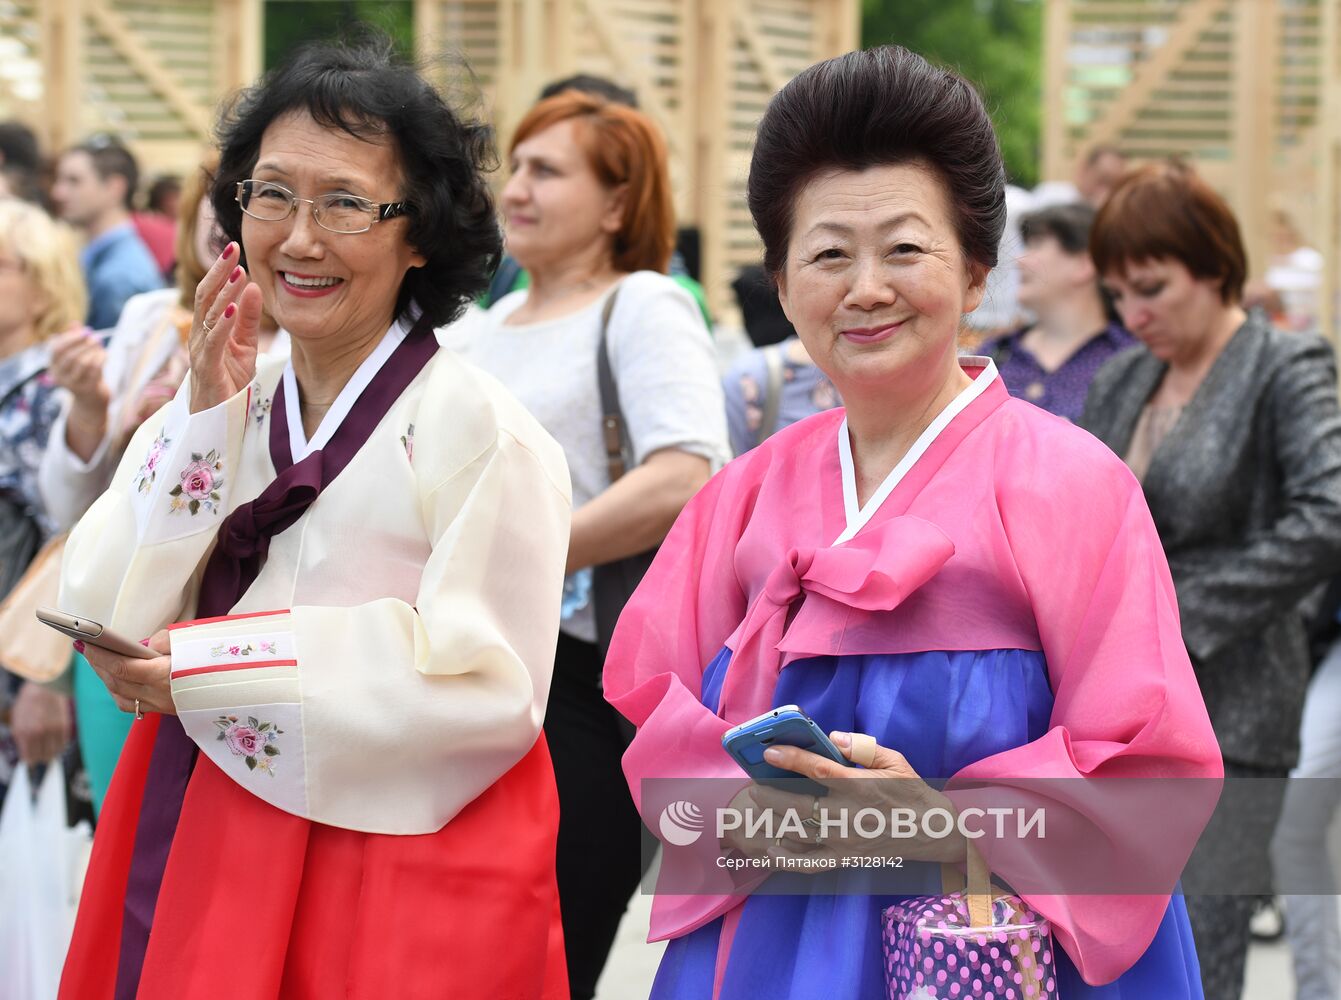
(446,532)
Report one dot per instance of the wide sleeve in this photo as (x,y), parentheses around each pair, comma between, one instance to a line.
(1128,771)
(133,561)
(677,621)
(69,484)
(390,716)
(1229,592)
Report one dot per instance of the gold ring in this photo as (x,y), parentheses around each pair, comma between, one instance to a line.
(206,327)
(138,713)
(813,819)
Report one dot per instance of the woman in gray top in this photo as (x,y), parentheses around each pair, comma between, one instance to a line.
(1234,431)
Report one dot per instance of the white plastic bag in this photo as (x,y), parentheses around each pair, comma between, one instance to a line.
(40,879)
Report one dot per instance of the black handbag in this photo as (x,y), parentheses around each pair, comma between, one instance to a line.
(612,584)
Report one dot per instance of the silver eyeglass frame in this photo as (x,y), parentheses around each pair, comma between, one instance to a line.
(376,213)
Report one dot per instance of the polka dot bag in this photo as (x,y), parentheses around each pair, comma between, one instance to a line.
(968,944)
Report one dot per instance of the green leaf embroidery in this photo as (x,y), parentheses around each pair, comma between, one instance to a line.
(194,506)
(196,456)
(251,763)
(251,721)
(176,491)
(271,750)
(263,727)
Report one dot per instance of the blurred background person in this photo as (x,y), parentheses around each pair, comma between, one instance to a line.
(1097,173)
(587,212)
(1052,361)
(775,384)
(1234,431)
(164,196)
(41,295)
(20,163)
(512,277)
(94,191)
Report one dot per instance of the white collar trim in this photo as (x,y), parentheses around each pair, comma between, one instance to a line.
(299,445)
(857,517)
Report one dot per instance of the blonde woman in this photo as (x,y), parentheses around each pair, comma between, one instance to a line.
(41,294)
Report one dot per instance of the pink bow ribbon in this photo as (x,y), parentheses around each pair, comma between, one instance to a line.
(874,571)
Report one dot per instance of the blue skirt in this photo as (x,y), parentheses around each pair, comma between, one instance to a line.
(942,711)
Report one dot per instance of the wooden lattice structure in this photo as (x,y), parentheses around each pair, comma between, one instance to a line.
(704,68)
(153,71)
(1246,89)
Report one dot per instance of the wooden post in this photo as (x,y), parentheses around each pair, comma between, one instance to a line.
(1256,37)
(1057,155)
(712,133)
(63,80)
(239,30)
(1327,225)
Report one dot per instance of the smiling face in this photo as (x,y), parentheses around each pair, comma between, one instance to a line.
(554,206)
(875,281)
(1166,307)
(337,288)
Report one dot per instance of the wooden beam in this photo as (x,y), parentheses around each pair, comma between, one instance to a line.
(114,28)
(238,26)
(715,39)
(1194,18)
(62,64)
(1057,154)
(1256,31)
(1327,227)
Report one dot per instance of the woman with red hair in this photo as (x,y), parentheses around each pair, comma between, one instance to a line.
(588,213)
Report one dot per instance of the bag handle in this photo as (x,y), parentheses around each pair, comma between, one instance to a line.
(614,434)
(979,887)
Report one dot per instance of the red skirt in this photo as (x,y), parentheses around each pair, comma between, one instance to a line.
(258,903)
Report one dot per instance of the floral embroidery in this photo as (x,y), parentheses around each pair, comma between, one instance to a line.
(407,442)
(260,410)
(144,479)
(245,649)
(200,485)
(254,741)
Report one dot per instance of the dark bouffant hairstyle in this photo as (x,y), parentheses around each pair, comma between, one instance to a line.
(368,91)
(872,108)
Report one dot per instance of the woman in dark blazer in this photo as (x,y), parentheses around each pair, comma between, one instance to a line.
(1234,431)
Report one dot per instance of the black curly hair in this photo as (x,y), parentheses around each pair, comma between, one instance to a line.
(370,92)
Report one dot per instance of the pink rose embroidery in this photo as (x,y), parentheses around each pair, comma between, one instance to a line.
(198,480)
(243,740)
(256,742)
(200,484)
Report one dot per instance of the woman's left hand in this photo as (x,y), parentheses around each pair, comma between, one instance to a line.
(888,784)
(130,680)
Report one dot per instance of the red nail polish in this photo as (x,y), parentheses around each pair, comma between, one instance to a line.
(237,273)
(79,646)
(232,308)
(227,252)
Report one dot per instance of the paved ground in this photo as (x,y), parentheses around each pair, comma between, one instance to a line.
(633,963)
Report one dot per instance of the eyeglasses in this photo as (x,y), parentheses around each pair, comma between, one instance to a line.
(336,213)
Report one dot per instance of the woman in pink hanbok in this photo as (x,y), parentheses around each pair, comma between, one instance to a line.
(973,582)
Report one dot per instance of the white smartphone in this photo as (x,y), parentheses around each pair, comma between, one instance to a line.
(93,633)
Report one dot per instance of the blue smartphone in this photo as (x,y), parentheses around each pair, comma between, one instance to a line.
(784,726)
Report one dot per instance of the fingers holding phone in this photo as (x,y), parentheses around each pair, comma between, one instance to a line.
(133,682)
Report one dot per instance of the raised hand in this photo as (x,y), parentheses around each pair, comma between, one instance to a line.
(224,332)
(77,359)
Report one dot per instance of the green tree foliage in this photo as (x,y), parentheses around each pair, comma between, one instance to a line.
(290,23)
(998,44)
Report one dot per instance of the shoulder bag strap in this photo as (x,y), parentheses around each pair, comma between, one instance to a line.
(614,434)
(768,422)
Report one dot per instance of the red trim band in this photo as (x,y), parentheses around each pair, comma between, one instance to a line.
(221,667)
